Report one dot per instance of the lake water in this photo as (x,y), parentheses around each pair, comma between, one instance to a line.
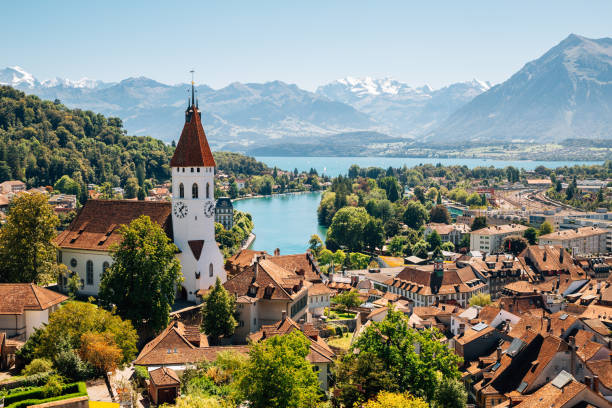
(283,221)
(333,166)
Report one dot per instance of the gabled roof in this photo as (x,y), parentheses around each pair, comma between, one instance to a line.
(418,279)
(96,226)
(192,149)
(298,262)
(15,298)
(164,376)
(551,396)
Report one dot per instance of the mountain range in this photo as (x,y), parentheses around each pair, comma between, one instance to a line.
(566,93)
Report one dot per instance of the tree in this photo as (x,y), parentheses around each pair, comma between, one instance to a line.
(447,246)
(347,227)
(474,200)
(233,190)
(100,350)
(419,193)
(357,260)
(439,214)
(416,360)
(531,235)
(465,242)
(66,185)
(391,187)
(143,277)
(26,242)
(218,311)
(415,215)
(339,257)
(396,245)
(450,393)
(69,323)
(395,400)
(434,240)
(277,374)
(479,223)
(514,244)
(325,256)
(546,228)
(315,244)
(131,187)
(141,194)
(481,299)
(373,234)
(392,227)
(347,299)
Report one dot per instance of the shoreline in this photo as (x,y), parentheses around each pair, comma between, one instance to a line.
(277,194)
(249,241)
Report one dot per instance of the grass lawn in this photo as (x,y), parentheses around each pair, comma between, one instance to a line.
(343,342)
(338,315)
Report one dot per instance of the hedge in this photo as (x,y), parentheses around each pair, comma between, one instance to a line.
(37,396)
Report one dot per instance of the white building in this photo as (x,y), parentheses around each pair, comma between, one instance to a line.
(84,247)
(490,239)
(580,241)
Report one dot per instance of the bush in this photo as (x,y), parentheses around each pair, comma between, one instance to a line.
(36,396)
(140,375)
(54,386)
(339,331)
(37,366)
(70,365)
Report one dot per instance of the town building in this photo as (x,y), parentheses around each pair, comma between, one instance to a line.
(224,212)
(490,239)
(25,307)
(496,270)
(84,247)
(580,241)
(448,232)
(12,186)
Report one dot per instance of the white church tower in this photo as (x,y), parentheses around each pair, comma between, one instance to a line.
(193,207)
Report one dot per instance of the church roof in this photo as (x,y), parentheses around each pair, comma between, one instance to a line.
(96,226)
(192,149)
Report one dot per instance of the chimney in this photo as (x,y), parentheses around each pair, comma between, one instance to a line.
(499,353)
(283,315)
(547,324)
(277,252)
(561,254)
(544,256)
(256,269)
(588,382)
(596,383)
(462,331)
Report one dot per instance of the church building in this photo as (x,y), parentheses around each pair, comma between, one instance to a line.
(189,220)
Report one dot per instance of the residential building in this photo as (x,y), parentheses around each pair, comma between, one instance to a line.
(490,239)
(25,307)
(319,297)
(496,270)
(448,232)
(12,186)
(580,241)
(224,212)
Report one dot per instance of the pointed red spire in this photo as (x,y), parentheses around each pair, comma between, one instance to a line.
(192,149)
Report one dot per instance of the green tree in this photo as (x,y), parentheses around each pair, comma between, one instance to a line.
(347,299)
(450,393)
(347,227)
(144,275)
(373,234)
(233,190)
(315,244)
(439,214)
(339,257)
(546,228)
(531,235)
(415,215)
(465,241)
(358,261)
(447,246)
(218,311)
(277,374)
(479,223)
(391,187)
(397,244)
(434,240)
(26,241)
(395,400)
(419,193)
(416,360)
(514,244)
(474,200)
(141,194)
(131,187)
(481,299)
(66,185)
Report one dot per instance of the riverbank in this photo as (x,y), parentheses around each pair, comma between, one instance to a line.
(275,194)
(248,241)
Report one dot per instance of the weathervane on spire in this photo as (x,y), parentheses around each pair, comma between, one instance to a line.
(192,88)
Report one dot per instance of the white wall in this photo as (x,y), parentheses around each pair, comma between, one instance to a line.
(35,319)
(82,256)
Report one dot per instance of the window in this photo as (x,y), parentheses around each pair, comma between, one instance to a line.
(192,169)
(73,262)
(89,270)
(207,190)
(198,169)
(194,190)
(59,256)
(181,191)
(210,269)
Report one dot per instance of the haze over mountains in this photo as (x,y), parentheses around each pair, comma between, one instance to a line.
(566,93)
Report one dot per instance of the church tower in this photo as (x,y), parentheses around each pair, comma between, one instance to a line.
(193,206)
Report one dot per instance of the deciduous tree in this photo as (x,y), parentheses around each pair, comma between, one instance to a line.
(100,350)
(395,400)
(218,311)
(439,214)
(415,215)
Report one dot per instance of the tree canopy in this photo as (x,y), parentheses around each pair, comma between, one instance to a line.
(218,311)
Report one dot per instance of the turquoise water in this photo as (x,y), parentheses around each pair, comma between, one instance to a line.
(283,221)
(333,166)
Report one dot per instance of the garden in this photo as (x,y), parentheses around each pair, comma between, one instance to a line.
(53,390)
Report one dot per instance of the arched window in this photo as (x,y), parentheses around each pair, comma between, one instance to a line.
(194,190)
(210,270)
(181,191)
(207,190)
(89,270)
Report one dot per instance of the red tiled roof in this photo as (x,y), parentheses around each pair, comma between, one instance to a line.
(193,149)
(298,262)
(96,226)
(164,376)
(15,298)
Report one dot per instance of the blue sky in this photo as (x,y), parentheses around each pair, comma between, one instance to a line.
(307,43)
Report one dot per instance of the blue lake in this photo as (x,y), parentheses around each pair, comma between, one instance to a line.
(283,221)
(333,166)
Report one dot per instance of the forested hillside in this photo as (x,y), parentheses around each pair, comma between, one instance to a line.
(40,141)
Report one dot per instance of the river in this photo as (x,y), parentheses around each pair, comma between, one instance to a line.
(283,221)
(334,166)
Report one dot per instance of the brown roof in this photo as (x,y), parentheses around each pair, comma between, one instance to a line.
(547,258)
(15,298)
(298,263)
(574,233)
(244,258)
(520,287)
(445,229)
(164,376)
(550,347)
(319,289)
(418,279)
(552,396)
(196,247)
(96,226)
(192,149)
(602,369)
(500,229)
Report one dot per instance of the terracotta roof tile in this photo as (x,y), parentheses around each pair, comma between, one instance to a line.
(297,263)
(192,149)
(603,369)
(15,298)
(319,289)
(551,396)
(164,376)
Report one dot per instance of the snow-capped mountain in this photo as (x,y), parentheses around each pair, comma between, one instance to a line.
(17,77)
(566,93)
(404,109)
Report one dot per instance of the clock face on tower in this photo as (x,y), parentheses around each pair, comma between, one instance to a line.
(180,209)
(209,208)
